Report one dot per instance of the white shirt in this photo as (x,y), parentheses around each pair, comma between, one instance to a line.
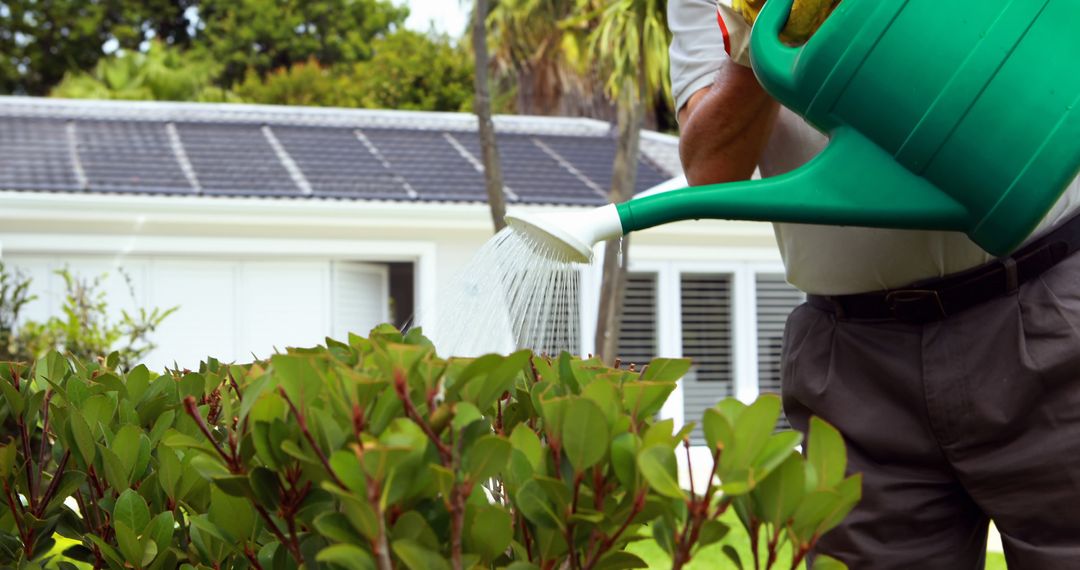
(823,260)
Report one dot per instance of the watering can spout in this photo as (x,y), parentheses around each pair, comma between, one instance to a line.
(852,182)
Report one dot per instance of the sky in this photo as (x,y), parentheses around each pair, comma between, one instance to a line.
(448,15)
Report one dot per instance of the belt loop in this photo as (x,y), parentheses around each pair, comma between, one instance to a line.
(838,308)
(1011,278)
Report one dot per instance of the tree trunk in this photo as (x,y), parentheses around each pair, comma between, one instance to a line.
(482,106)
(623,179)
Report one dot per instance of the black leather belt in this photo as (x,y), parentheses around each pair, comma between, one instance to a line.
(936,299)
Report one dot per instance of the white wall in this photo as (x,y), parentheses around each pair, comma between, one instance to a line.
(231,309)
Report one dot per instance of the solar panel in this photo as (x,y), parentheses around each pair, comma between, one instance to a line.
(338,165)
(129,156)
(595,157)
(430,164)
(35,155)
(535,175)
(235,159)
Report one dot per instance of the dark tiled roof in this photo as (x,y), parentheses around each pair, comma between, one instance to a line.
(219,150)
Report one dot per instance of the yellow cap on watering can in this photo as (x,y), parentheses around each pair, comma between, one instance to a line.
(957,116)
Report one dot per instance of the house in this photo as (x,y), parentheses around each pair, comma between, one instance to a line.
(277,226)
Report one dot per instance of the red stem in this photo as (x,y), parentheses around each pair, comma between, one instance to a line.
(48,496)
(639,505)
(401,388)
(192,409)
(310,439)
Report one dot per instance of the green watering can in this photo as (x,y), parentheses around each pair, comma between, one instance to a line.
(958,115)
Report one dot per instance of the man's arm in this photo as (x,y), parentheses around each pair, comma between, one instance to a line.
(725,127)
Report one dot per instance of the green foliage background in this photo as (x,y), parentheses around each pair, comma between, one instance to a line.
(347,53)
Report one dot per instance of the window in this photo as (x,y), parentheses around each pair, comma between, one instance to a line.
(775,301)
(637,335)
(707,340)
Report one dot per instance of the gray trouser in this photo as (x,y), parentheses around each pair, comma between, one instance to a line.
(952,423)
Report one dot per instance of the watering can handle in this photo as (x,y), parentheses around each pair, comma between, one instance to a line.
(772,60)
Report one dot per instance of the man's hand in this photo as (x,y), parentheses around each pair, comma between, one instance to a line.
(725,127)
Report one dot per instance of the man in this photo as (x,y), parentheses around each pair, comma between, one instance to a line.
(959,414)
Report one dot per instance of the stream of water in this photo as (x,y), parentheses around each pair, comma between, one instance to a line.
(516,292)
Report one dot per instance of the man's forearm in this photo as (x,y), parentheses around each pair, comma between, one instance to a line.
(725,127)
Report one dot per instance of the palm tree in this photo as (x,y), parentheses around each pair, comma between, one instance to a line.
(539,46)
(630,43)
(489,149)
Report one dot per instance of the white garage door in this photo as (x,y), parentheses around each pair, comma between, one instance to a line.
(231,309)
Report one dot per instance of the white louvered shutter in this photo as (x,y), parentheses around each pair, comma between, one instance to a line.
(361,298)
(775,301)
(637,336)
(707,341)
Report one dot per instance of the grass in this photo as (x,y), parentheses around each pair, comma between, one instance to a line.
(710,558)
(713,558)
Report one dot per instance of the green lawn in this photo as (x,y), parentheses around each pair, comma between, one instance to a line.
(712,558)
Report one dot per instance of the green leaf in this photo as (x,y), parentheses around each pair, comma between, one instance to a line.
(98,410)
(826,453)
(487,457)
(232,515)
(602,393)
(169,470)
(491,532)
(132,511)
(7,459)
(234,485)
(108,550)
(160,530)
(118,477)
(585,433)
(361,516)
(620,560)
(336,527)
(347,556)
(298,375)
(533,502)
(850,491)
(126,446)
(417,557)
(465,414)
(752,430)
(624,452)
(666,369)
(411,525)
(660,434)
(161,425)
(711,532)
(658,466)
(129,543)
(733,556)
(553,410)
(137,381)
(718,431)
(84,439)
(731,409)
(266,487)
(779,494)
(293,449)
(823,562)
(528,443)
(775,452)
(14,398)
(645,398)
(485,391)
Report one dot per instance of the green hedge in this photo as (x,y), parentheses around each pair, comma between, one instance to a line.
(378,454)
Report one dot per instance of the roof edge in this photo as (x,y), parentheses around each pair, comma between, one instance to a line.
(176,111)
